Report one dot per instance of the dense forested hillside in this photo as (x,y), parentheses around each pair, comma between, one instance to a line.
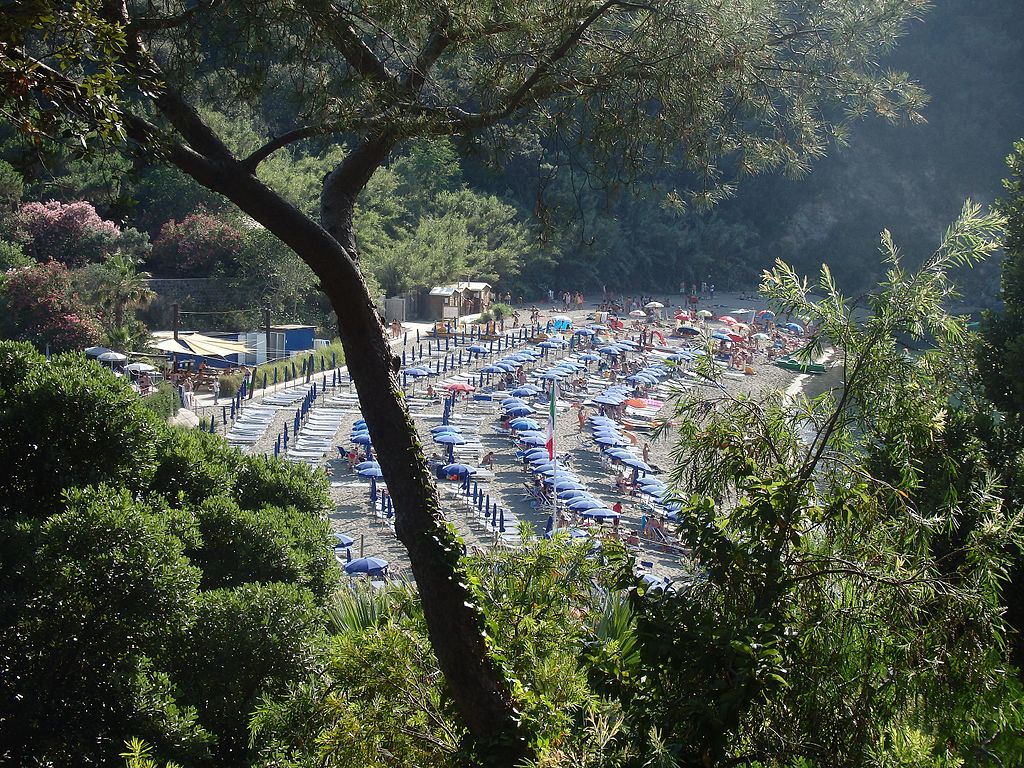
(510,216)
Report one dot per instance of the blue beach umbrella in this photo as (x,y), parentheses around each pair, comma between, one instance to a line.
(342,540)
(519,411)
(371,566)
(524,423)
(462,470)
(573,493)
(526,390)
(582,504)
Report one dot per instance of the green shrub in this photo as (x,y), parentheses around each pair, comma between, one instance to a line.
(68,423)
(500,311)
(230,384)
(163,400)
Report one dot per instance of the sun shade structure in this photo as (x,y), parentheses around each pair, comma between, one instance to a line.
(199,344)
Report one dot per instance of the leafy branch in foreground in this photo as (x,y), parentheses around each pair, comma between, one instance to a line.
(848,592)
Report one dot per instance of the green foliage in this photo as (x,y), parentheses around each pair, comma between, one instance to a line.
(284,367)
(164,401)
(68,423)
(419,225)
(116,532)
(852,554)
(261,482)
(239,546)
(12,186)
(230,384)
(245,643)
(101,587)
(192,466)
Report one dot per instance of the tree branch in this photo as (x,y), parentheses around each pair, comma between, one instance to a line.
(158,23)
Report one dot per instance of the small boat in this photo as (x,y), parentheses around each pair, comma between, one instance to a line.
(789,364)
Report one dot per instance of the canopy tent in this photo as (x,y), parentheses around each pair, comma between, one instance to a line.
(199,344)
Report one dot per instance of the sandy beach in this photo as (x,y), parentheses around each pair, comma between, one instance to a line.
(508,486)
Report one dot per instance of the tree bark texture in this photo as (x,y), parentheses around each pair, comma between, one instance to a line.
(454,621)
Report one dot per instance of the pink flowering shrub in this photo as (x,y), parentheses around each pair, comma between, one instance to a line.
(40,304)
(194,246)
(69,233)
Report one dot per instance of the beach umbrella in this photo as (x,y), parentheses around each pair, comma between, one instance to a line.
(524,424)
(519,410)
(760,336)
(460,387)
(533,440)
(501,520)
(705,313)
(619,453)
(584,332)
(362,438)
(688,330)
(582,504)
(492,369)
(721,336)
(374,471)
(550,525)
(638,313)
(449,438)
(573,493)
(611,440)
(478,349)
(590,357)
(549,345)
(654,305)
(462,470)
(636,463)
(599,513)
(795,327)
(609,350)
(343,540)
(765,314)
(366,465)
(112,357)
(526,390)
(371,566)
(445,428)
(729,319)
(554,374)
(564,484)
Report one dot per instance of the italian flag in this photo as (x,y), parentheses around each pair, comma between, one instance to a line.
(551,424)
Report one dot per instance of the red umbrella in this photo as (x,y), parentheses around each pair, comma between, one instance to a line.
(728,319)
(460,387)
(735,337)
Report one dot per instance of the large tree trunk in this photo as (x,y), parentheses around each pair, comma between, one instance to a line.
(454,621)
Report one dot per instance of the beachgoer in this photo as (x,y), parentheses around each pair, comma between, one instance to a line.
(488,460)
(617,509)
(647,453)
(581,416)
(216,391)
(352,459)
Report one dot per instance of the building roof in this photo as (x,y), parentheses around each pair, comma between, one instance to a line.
(291,327)
(474,286)
(444,290)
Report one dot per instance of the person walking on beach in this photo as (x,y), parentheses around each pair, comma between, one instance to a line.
(647,453)
(216,391)
(581,416)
